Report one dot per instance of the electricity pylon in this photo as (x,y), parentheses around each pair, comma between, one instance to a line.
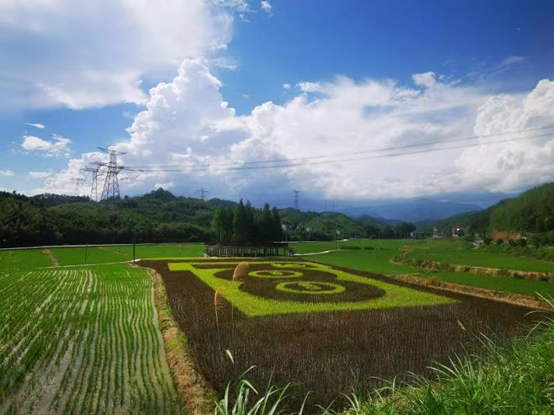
(111,183)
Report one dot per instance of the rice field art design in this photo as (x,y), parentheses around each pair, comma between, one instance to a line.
(272,287)
(323,328)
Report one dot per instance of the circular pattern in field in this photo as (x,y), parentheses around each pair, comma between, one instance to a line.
(288,265)
(275,274)
(300,282)
(315,286)
(310,287)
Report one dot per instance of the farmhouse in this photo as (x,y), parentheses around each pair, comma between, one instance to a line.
(458,231)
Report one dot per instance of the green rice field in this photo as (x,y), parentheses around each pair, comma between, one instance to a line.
(469,257)
(378,260)
(109,254)
(505,284)
(23,259)
(81,340)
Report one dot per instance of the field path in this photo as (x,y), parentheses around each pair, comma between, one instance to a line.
(55,262)
(319,253)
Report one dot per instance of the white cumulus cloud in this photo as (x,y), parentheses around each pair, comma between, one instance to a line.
(81,54)
(6,173)
(58,146)
(41,174)
(518,160)
(36,125)
(165,186)
(333,141)
(309,86)
(266,6)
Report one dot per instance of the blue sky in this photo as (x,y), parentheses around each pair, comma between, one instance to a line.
(341,77)
(307,40)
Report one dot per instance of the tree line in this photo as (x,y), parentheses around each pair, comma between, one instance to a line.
(243,224)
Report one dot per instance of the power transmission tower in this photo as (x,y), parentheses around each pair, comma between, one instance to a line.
(94,169)
(78,182)
(203,193)
(296,206)
(111,184)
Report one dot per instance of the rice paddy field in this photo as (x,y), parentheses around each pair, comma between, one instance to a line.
(80,337)
(375,256)
(81,340)
(456,255)
(114,254)
(326,329)
(23,259)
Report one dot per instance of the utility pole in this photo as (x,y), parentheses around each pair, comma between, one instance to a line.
(111,184)
(296,205)
(203,193)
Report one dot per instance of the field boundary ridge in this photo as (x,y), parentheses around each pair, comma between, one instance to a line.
(195,392)
(510,298)
(495,272)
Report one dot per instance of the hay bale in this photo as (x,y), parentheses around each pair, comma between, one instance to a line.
(241,271)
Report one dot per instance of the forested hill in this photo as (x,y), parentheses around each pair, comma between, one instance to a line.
(330,225)
(158,216)
(53,219)
(530,213)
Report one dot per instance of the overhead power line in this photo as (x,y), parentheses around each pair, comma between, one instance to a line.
(249,164)
(286,163)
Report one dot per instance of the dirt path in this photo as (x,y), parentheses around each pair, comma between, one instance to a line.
(318,253)
(55,262)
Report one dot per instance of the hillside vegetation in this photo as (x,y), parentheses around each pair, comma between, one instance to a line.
(158,216)
(533,211)
(530,214)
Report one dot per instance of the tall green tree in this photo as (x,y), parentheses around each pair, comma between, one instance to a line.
(251,231)
(218,223)
(239,224)
(266,223)
(277,230)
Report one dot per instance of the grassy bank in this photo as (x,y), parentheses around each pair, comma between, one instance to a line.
(504,284)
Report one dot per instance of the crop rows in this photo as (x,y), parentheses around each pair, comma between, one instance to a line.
(324,353)
(23,259)
(478,258)
(81,341)
(110,254)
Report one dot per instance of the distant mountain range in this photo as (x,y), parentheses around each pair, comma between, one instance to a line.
(419,210)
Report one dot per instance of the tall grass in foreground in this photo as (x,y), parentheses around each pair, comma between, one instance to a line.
(242,398)
(514,379)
